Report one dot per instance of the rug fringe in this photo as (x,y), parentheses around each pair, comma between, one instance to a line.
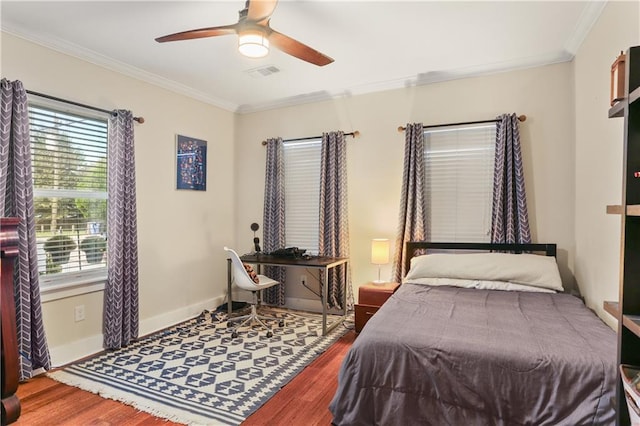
(98,376)
(90,386)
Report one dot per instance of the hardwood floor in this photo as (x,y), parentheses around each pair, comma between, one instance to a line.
(304,400)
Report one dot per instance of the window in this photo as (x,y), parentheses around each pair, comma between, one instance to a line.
(302,194)
(459,164)
(69,161)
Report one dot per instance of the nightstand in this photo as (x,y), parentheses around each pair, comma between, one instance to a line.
(370,298)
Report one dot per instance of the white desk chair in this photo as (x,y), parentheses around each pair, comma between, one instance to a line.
(242,279)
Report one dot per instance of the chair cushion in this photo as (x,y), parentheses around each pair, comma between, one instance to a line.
(251,272)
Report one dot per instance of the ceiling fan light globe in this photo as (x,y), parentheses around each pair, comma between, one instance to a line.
(253,44)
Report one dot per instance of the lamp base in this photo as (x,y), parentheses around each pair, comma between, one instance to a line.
(378,282)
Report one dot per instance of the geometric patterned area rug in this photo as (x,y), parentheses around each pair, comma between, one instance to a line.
(195,373)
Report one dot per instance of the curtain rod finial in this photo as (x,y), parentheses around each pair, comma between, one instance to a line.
(400,129)
(356,133)
(264,143)
(139,119)
(522,117)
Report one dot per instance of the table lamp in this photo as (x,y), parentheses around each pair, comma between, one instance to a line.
(379,254)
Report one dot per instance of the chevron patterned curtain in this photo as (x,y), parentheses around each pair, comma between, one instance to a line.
(121,292)
(509,219)
(333,238)
(413,219)
(273,218)
(16,200)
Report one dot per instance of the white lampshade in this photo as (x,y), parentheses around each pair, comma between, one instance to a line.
(379,254)
(253,44)
(380,251)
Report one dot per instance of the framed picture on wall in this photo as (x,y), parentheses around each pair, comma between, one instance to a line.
(191,163)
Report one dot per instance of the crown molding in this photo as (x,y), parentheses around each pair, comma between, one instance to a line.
(587,19)
(411,81)
(103,61)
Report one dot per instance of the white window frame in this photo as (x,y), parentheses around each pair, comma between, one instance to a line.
(302,193)
(459,164)
(67,284)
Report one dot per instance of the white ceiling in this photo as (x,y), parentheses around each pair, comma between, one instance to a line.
(377,45)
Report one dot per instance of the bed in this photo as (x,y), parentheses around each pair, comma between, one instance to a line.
(474,340)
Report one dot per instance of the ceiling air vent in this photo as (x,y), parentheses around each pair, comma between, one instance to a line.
(263,71)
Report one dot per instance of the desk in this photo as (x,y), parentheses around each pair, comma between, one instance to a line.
(317,262)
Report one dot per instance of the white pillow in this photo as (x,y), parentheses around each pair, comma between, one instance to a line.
(527,269)
(478,284)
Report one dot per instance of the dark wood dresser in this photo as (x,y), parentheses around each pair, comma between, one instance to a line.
(370,298)
(10,373)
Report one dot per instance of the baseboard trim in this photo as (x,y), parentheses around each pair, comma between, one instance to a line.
(82,348)
(64,354)
(310,305)
(167,319)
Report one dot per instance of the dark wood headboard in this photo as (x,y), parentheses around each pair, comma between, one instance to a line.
(413,246)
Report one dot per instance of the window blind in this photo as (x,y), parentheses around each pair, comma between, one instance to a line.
(69,162)
(459,164)
(302,194)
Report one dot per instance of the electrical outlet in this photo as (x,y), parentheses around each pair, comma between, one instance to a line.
(78,313)
(303,279)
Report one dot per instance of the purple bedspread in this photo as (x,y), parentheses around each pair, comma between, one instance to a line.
(454,356)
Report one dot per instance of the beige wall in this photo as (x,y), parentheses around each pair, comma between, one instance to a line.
(598,160)
(572,156)
(180,233)
(375,159)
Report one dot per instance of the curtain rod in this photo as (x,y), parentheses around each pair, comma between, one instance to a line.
(520,118)
(54,98)
(355,134)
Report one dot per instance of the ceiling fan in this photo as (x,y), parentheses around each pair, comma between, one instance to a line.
(255,34)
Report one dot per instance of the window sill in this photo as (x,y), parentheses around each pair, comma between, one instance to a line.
(73,285)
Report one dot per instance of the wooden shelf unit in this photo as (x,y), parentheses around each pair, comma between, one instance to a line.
(632,322)
(633,96)
(631,210)
(612,308)
(618,109)
(627,309)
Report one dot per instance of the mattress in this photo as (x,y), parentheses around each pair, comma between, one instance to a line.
(459,356)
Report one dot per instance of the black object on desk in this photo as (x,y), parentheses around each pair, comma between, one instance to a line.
(318,262)
(288,252)
(256,240)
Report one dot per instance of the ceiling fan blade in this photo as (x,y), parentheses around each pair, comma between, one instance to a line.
(297,49)
(200,33)
(259,10)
